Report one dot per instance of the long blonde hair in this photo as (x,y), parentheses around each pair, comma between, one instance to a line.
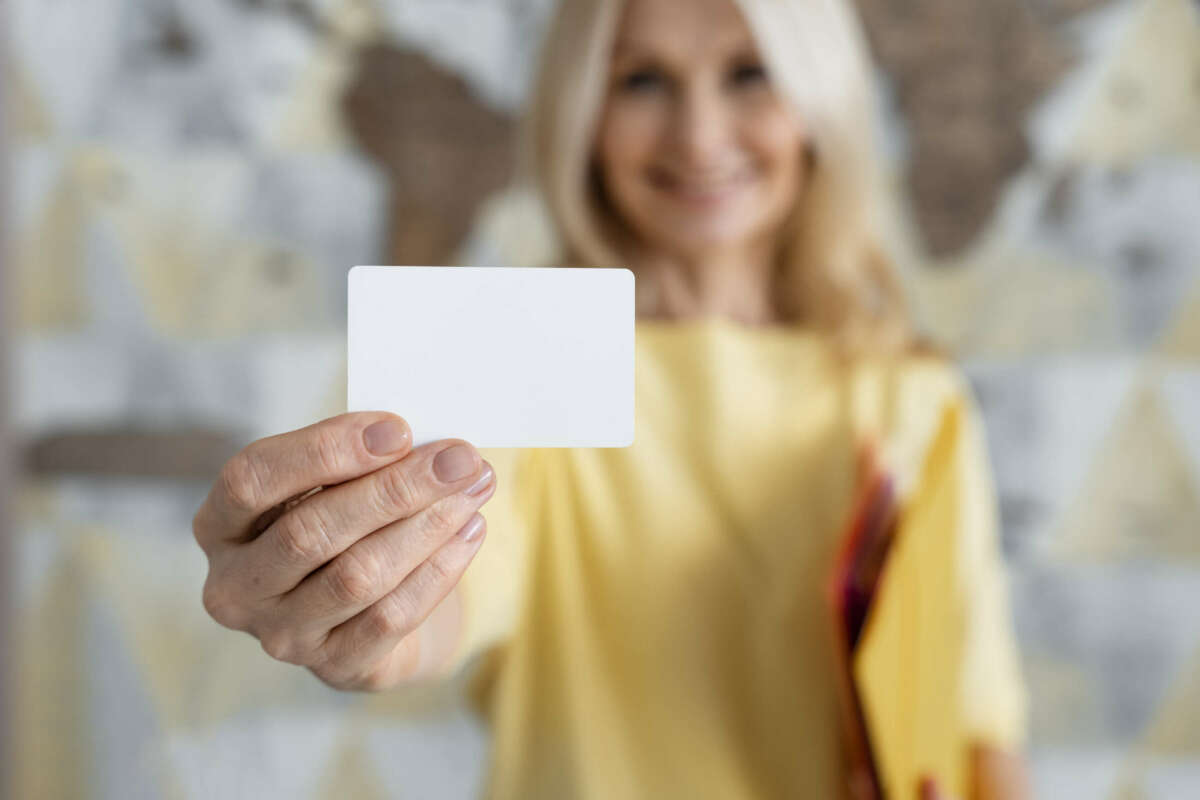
(833,275)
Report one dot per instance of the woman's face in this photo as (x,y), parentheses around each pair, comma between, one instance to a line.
(696,149)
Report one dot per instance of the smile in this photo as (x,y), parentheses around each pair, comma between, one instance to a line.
(703,190)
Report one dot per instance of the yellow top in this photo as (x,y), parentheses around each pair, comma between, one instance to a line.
(654,620)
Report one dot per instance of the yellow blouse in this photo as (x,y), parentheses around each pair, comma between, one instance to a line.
(654,618)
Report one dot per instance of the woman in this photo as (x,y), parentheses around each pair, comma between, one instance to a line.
(660,608)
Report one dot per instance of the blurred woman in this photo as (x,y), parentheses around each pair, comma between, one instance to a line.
(653,619)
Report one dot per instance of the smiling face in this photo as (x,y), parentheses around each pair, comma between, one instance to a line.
(696,149)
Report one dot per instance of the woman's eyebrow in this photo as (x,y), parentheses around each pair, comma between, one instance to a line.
(637,57)
(631,49)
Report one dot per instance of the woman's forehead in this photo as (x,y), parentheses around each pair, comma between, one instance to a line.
(683,28)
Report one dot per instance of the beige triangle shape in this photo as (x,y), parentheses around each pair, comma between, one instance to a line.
(194,283)
(1175,730)
(355,23)
(351,773)
(30,120)
(1182,337)
(1144,101)
(52,752)
(312,119)
(49,255)
(1140,498)
(1035,305)
(191,279)
(241,295)
(947,299)
(1173,733)
(170,636)
(1000,303)
(1129,790)
(164,261)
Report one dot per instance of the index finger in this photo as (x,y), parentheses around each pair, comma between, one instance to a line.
(272,470)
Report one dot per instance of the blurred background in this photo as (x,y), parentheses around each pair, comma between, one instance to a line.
(188,182)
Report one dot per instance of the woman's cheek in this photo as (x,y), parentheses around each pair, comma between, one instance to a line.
(777,140)
(775,132)
(630,131)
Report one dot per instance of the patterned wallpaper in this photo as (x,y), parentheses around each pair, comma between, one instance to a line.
(191,181)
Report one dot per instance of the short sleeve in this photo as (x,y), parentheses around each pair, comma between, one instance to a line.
(915,399)
(993,693)
(491,590)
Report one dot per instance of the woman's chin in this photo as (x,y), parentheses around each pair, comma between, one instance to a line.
(721,226)
(703,239)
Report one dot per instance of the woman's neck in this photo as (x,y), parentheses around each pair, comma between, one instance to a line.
(736,284)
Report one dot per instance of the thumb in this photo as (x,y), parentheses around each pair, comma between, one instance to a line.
(929,789)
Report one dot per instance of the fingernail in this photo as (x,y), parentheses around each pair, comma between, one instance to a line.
(485,480)
(454,463)
(473,529)
(386,437)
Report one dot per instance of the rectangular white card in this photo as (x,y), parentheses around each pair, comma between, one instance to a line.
(497,356)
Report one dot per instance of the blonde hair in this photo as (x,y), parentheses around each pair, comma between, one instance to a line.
(833,275)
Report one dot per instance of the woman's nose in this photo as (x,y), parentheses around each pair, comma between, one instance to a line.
(701,128)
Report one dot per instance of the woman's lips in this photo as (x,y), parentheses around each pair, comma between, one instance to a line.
(705,191)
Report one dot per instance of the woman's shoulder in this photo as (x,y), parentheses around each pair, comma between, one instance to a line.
(901,401)
(921,369)
(719,333)
(933,374)
(918,374)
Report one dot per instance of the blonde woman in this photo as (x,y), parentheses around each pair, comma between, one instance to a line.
(653,618)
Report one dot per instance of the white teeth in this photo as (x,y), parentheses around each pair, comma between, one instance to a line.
(706,187)
(707,184)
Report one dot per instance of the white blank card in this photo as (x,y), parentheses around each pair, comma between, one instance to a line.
(500,357)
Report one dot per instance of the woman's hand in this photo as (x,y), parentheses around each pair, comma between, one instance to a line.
(931,790)
(995,775)
(333,544)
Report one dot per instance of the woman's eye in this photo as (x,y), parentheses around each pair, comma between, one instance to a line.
(641,81)
(748,75)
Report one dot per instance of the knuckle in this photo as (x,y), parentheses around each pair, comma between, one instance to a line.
(331,677)
(353,579)
(398,491)
(300,537)
(373,681)
(199,528)
(376,679)
(333,664)
(241,481)
(282,645)
(220,605)
(441,518)
(387,620)
(440,572)
(328,451)
(345,678)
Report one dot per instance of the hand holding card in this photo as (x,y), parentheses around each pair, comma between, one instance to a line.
(355,529)
(335,545)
